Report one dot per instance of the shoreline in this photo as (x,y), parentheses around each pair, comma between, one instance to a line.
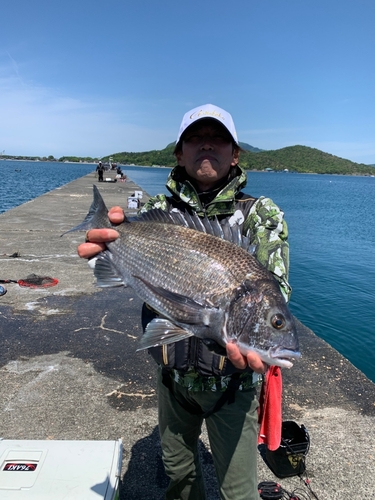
(164,166)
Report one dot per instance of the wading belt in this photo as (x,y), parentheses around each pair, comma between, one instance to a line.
(228,396)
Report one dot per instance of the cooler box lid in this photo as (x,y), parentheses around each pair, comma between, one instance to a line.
(41,470)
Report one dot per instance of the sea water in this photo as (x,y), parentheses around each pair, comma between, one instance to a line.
(22,181)
(332,248)
(331,236)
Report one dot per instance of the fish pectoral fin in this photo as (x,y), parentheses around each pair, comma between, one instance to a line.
(161,332)
(185,309)
(105,273)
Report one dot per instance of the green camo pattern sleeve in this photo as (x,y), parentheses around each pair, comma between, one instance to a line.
(158,201)
(269,232)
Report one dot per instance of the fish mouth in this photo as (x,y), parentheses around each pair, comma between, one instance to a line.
(284,354)
(278,356)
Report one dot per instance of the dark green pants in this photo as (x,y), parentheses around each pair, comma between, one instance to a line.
(232,433)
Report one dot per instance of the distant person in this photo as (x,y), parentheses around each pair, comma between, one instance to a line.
(194,383)
(119,173)
(100,170)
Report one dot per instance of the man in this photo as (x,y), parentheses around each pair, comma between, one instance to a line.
(100,170)
(196,382)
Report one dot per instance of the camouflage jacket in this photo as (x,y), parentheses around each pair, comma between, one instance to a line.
(263,222)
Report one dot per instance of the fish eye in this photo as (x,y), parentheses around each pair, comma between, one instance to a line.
(278,321)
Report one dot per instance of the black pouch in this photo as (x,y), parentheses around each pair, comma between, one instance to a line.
(289,459)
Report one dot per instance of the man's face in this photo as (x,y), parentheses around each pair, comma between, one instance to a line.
(207,153)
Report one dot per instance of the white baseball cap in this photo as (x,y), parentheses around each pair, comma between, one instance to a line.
(208,111)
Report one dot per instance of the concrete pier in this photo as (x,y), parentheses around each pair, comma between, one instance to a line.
(69,367)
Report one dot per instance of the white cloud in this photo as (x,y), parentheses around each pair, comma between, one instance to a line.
(39,121)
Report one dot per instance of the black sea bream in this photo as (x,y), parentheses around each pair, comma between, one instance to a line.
(200,284)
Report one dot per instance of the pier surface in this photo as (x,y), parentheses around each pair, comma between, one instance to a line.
(69,367)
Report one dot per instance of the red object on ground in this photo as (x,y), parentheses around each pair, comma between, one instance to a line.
(34,281)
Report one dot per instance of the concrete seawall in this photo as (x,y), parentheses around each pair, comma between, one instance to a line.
(69,367)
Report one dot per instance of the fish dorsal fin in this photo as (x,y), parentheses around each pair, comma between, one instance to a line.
(224,230)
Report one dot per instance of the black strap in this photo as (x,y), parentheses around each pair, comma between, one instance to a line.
(228,395)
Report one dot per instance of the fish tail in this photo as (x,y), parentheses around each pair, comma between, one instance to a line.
(97,216)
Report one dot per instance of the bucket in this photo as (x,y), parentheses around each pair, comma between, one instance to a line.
(289,459)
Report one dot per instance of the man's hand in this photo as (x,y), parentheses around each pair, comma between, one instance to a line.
(116,215)
(241,362)
(97,238)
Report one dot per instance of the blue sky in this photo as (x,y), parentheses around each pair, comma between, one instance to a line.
(94,77)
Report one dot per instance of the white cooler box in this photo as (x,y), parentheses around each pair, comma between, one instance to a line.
(56,470)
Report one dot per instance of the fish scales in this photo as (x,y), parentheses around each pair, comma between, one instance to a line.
(200,284)
(198,259)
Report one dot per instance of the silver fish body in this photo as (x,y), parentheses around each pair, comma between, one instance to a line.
(200,284)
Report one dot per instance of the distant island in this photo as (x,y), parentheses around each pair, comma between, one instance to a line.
(300,159)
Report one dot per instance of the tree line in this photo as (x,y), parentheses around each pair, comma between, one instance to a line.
(300,159)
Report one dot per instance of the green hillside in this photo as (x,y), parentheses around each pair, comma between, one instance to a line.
(247,147)
(163,157)
(304,160)
(294,159)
